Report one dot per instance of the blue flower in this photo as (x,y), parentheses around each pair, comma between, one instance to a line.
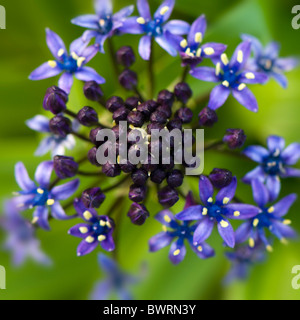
(267,60)
(192,50)
(52,142)
(242,259)
(177,234)
(40,196)
(274,163)
(155,27)
(233,77)
(269,218)
(70,64)
(104,24)
(115,282)
(96,230)
(218,211)
(21,239)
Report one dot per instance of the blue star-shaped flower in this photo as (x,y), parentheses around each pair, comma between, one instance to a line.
(274,163)
(217,211)
(155,27)
(267,60)
(269,218)
(233,77)
(40,196)
(104,24)
(68,64)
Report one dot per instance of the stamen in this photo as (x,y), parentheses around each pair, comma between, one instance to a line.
(52,63)
(101,238)
(34,220)
(269,248)
(250,75)
(83,230)
(271,209)
(255,222)
(209,51)
(224,59)
(60,52)
(225,83)
(102,223)
(241,87)
(251,243)
(167,219)
(87,215)
(224,224)
(176,252)
(198,37)
(183,43)
(141,20)
(164,10)
(240,56)
(199,51)
(218,68)
(80,61)
(226,200)
(287,222)
(210,200)
(90,239)
(204,211)
(50,202)
(102,22)
(40,191)
(236,213)
(199,248)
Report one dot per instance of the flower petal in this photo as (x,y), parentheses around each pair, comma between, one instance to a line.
(205,74)
(227,193)
(159,241)
(108,244)
(177,27)
(131,26)
(58,212)
(65,191)
(291,154)
(246,98)
(177,251)
(206,189)
(218,49)
(85,247)
(41,213)
(166,218)
(240,56)
(257,173)
(123,13)
(76,231)
(55,43)
(273,185)
(260,193)
(241,211)
(66,81)
(203,230)
(22,178)
(38,123)
(256,153)
(243,232)
(191,213)
(198,26)
(202,250)
(145,47)
(164,11)
(275,143)
(89,74)
(45,71)
(166,45)
(280,78)
(226,232)
(90,21)
(87,214)
(45,146)
(144,9)
(43,173)
(256,46)
(252,77)
(290,173)
(284,230)
(218,97)
(103,8)
(282,207)
(286,64)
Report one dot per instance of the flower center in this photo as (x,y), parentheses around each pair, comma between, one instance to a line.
(229,77)
(69,64)
(273,165)
(105,25)
(153,28)
(41,197)
(265,63)
(214,211)
(100,228)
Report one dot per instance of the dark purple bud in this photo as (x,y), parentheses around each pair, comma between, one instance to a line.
(132,103)
(139,177)
(128,79)
(158,116)
(127,167)
(207,117)
(234,138)
(175,179)
(116,130)
(167,196)
(174,124)
(150,166)
(114,103)
(166,110)
(185,115)
(135,118)
(65,167)
(137,193)
(168,166)
(147,107)
(93,136)
(111,170)
(55,100)
(125,56)
(183,92)
(61,126)
(158,176)
(92,157)
(121,114)
(166,97)
(138,214)
(87,116)
(220,178)
(154,126)
(92,91)
(92,198)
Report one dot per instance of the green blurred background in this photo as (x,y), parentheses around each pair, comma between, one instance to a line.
(23,48)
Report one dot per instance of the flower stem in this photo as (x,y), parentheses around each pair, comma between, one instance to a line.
(89,174)
(185,73)
(80,136)
(116,185)
(213,145)
(113,57)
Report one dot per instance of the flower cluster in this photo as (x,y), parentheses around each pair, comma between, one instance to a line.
(142,113)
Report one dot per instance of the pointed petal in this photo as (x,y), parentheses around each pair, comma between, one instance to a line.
(89,74)
(206,189)
(177,251)
(91,216)
(123,13)
(275,143)
(166,218)
(103,8)
(205,74)
(58,212)
(144,9)
(273,185)
(55,43)
(282,207)
(164,11)
(218,97)
(253,77)
(191,213)
(203,230)
(291,154)
(85,247)
(241,211)
(177,27)
(76,231)
(41,213)
(256,46)
(131,26)
(260,193)
(240,56)
(199,26)
(286,64)
(202,250)
(257,173)
(108,244)
(45,71)
(159,241)
(90,21)
(227,192)
(43,173)
(38,123)
(284,230)
(280,78)
(66,81)
(226,233)
(218,49)
(22,177)
(65,191)
(246,98)
(256,153)
(166,45)
(44,147)
(243,232)
(145,47)
(290,173)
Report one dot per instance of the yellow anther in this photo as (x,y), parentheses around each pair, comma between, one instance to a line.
(52,63)
(102,223)
(198,37)
(287,221)
(90,239)
(241,87)
(255,222)
(74,55)
(183,43)
(40,191)
(225,83)
(164,10)
(269,248)
(176,252)
(108,224)
(101,238)
(284,241)
(34,220)
(80,61)
(198,53)
(250,75)
(199,248)
(226,200)
(164,228)
(251,243)
(204,211)
(50,202)
(236,213)
(209,51)
(102,22)
(271,209)
(218,68)
(224,224)
(83,230)
(167,219)
(141,20)
(224,59)
(210,200)
(87,215)
(60,52)
(240,56)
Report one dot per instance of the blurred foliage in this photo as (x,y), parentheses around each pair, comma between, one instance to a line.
(23,48)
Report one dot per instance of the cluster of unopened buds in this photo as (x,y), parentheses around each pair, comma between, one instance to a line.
(251,63)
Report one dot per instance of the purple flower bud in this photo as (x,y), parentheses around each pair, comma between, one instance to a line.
(92,91)
(175,179)
(138,214)
(167,196)
(92,157)
(87,116)
(61,126)
(92,198)
(139,177)
(114,103)
(127,167)
(137,193)
(220,178)
(55,100)
(128,79)
(183,92)
(93,136)
(168,166)
(135,118)
(166,97)
(111,170)
(116,130)
(234,138)
(207,117)
(149,167)
(166,110)
(158,176)
(65,167)
(121,114)
(174,124)
(185,115)
(154,126)
(125,56)
(147,107)
(159,116)
(132,103)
